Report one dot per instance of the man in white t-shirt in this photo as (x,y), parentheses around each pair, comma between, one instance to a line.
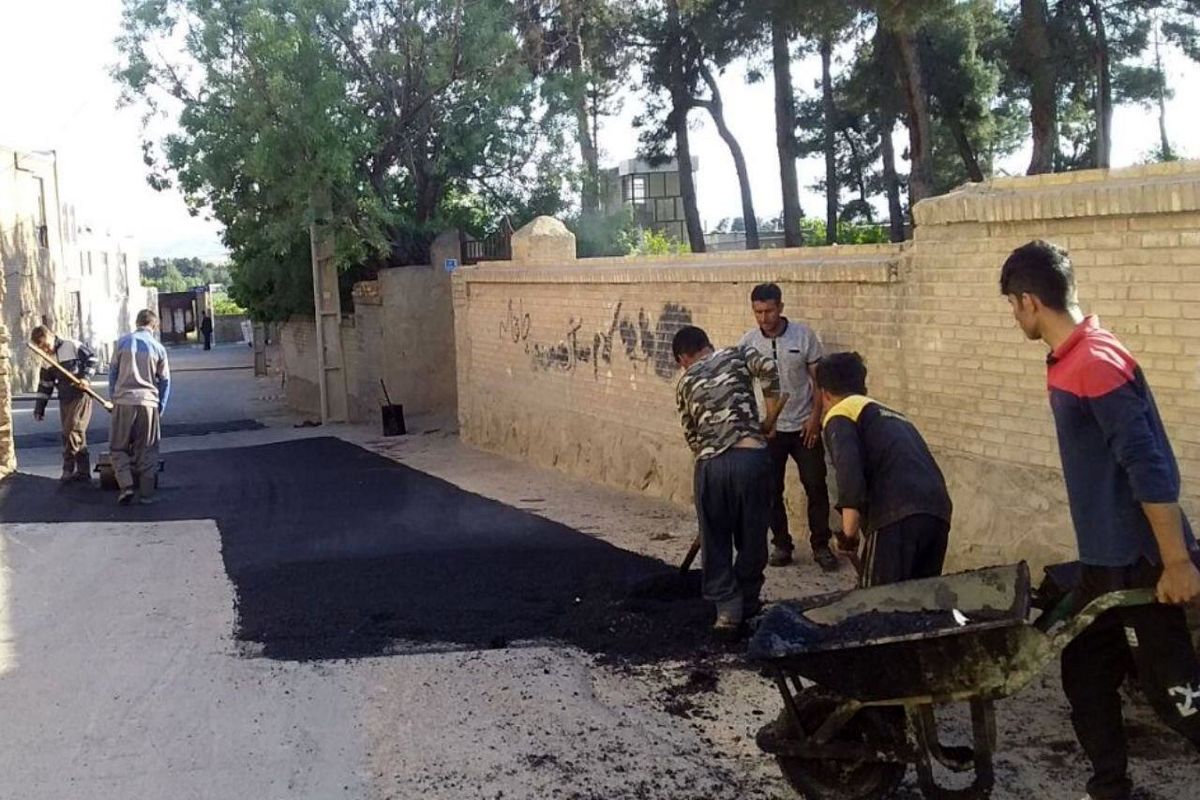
(796,350)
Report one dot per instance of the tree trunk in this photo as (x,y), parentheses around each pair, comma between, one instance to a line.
(891,181)
(1164,143)
(966,150)
(681,103)
(716,109)
(859,169)
(831,177)
(920,179)
(785,130)
(1043,106)
(1103,86)
(588,154)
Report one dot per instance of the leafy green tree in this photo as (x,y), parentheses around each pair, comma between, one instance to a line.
(579,50)
(409,117)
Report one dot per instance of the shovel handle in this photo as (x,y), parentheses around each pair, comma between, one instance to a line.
(75,381)
(383,386)
(691,555)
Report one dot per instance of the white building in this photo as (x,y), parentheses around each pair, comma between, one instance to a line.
(81,283)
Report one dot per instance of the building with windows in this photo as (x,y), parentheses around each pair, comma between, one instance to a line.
(81,283)
(650,192)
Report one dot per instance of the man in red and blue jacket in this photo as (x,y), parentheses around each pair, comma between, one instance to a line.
(1123,489)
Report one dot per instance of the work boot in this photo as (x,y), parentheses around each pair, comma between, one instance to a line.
(125,498)
(729,617)
(825,558)
(146,500)
(780,556)
(67,476)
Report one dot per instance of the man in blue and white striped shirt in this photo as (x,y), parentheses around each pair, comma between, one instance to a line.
(139,383)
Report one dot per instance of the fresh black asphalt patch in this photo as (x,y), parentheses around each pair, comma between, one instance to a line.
(98,431)
(335,552)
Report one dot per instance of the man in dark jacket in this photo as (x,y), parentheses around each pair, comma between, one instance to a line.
(889,485)
(206,328)
(74,407)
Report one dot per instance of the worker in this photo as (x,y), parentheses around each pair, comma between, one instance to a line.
(732,480)
(74,406)
(795,349)
(1123,490)
(206,330)
(888,484)
(139,384)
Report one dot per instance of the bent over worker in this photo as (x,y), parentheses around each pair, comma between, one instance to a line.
(889,485)
(139,383)
(1123,490)
(74,406)
(732,479)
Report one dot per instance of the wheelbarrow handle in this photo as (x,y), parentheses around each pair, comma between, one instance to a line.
(1105,602)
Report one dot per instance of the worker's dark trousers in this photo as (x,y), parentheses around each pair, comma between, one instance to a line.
(913,547)
(133,444)
(811,463)
(733,506)
(208,341)
(75,414)
(1153,640)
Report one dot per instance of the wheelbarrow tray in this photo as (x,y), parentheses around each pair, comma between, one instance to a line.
(956,636)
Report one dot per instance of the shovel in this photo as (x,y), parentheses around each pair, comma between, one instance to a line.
(392,415)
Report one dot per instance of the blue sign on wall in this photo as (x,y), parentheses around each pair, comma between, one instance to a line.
(451,264)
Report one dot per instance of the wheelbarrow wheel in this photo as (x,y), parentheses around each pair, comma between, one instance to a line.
(817,779)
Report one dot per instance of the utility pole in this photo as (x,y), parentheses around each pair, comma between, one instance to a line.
(331,365)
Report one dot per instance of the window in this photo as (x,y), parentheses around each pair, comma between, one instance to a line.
(635,189)
(89,255)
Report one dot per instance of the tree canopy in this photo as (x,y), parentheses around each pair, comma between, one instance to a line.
(411,117)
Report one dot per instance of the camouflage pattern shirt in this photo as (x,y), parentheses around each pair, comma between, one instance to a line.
(716,399)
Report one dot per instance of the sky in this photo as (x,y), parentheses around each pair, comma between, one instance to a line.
(56,94)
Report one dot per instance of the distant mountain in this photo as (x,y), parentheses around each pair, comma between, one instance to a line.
(205,248)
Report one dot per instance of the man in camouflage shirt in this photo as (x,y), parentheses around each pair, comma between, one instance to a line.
(732,482)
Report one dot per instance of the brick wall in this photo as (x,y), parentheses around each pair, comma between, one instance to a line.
(401,331)
(568,364)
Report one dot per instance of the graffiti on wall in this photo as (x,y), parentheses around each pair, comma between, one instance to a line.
(643,337)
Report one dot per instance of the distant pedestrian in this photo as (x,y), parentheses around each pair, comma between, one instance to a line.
(795,349)
(74,407)
(889,485)
(139,383)
(206,329)
(1123,488)
(732,481)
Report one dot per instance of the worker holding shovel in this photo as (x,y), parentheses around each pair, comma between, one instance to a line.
(732,482)
(69,364)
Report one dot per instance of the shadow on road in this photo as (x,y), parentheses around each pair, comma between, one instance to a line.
(98,432)
(335,552)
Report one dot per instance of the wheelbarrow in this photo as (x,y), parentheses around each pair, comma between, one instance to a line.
(861,672)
